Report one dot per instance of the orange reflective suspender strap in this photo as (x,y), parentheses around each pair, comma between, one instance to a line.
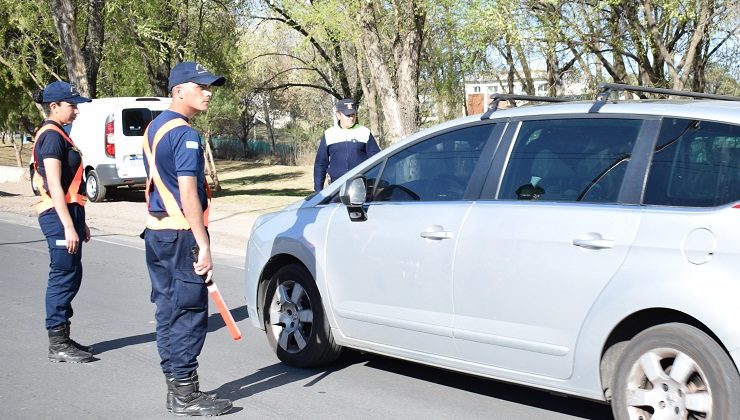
(175,218)
(72,194)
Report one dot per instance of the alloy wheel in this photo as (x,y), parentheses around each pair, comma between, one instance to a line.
(667,384)
(291,316)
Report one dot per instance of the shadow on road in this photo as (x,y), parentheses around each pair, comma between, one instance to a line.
(215,323)
(119,343)
(499,390)
(281,374)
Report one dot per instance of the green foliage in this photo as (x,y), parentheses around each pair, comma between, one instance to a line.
(293,58)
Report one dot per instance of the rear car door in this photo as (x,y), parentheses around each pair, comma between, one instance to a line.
(533,257)
(128,145)
(390,277)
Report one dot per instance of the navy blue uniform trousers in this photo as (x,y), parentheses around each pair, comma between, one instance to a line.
(65,269)
(181,298)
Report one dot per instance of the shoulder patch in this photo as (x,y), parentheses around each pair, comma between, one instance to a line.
(192,144)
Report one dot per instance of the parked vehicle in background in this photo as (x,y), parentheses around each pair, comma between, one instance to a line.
(109,133)
(588,248)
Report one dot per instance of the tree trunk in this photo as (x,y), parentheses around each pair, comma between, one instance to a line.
(92,51)
(65,22)
(18,148)
(400,99)
(210,164)
(371,101)
(268,125)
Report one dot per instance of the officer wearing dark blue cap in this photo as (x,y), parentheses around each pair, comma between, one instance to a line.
(59,179)
(343,146)
(178,200)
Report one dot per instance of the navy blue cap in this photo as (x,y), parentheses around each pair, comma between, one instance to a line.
(190,71)
(347,107)
(62,91)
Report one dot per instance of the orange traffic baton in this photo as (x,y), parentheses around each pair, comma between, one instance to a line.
(220,303)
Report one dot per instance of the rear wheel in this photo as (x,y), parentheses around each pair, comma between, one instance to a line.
(93,188)
(294,319)
(675,371)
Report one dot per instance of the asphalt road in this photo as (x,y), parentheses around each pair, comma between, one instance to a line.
(113,312)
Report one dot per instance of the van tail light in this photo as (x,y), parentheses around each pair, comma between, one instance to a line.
(110,143)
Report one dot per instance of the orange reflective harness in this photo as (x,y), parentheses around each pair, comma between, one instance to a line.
(175,219)
(72,195)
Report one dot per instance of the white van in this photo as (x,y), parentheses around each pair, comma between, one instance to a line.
(109,133)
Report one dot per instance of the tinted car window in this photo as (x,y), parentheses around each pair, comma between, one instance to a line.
(695,164)
(569,160)
(436,169)
(135,120)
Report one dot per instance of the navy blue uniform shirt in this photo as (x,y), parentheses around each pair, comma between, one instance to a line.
(340,150)
(179,153)
(51,144)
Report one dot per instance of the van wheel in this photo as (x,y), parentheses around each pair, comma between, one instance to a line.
(33,186)
(93,188)
(295,321)
(675,371)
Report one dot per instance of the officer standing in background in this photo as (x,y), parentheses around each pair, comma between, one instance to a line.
(343,146)
(178,198)
(59,179)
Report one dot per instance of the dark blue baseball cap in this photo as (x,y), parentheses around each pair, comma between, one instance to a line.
(347,107)
(190,71)
(62,91)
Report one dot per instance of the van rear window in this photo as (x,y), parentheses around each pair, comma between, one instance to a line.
(135,120)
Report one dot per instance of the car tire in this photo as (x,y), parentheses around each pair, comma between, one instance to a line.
(294,319)
(94,189)
(32,172)
(675,371)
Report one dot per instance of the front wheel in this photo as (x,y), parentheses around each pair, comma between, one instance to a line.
(675,371)
(93,188)
(294,319)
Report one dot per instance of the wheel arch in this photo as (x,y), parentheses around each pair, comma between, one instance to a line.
(632,325)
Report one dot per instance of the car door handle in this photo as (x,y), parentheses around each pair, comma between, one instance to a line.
(594,243)
(436,235)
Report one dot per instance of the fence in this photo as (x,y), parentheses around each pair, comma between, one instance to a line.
(285,153)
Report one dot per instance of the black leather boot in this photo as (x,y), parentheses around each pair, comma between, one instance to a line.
(171,391)
(189,401)
(62,350)
(82,347)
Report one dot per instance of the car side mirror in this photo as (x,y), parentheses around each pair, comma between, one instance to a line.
(352,194)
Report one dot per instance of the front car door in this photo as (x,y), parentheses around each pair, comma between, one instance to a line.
(533,257)
(389,278)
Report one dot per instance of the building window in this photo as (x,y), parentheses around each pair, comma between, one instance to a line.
(476,89)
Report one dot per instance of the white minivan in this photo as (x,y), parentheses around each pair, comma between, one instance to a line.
(109,133)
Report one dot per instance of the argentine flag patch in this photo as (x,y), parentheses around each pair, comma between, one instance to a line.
(192,144)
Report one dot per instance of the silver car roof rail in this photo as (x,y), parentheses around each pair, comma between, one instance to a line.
(498,97)
(606,89)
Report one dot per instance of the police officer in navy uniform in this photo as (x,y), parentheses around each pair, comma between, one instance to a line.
(343,146)
(178,199)
(59,179)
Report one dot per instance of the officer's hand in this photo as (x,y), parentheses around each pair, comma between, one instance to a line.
(73,240)
(204,266)
(87,233)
